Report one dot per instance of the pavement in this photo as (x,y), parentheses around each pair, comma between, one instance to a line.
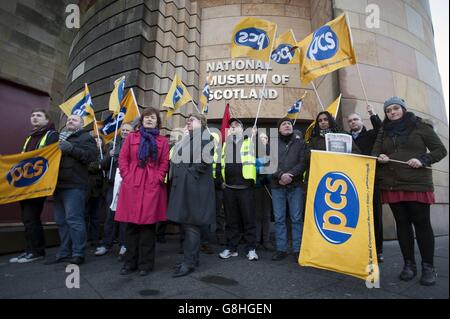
(235,278)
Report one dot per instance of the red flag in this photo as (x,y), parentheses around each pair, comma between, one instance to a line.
(225,125)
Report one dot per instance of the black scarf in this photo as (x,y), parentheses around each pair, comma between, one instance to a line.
(400,129)
(286,138)
(37,135)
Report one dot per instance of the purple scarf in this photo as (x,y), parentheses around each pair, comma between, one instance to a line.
(147,145)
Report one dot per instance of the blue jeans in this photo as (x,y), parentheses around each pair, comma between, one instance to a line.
(294,198)
(69,215)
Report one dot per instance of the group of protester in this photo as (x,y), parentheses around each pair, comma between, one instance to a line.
(191,181)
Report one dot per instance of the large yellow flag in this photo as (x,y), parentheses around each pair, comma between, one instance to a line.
(326,50)
(117,95)
(80,104)
(30,174)
(338,233)
(128,112)
(333,109)
(253,38)
(177,96)
(284,49)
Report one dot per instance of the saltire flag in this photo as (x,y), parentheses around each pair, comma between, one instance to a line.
(117,95)
(253,38)
(204,98)
(327,49)
(80,104)
(177,96)
(338,233)
(294,110)
(30,174)
(285,49)
(333,109)
(128,112)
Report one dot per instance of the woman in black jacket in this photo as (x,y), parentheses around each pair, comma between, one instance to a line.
(325,123)
(408,188)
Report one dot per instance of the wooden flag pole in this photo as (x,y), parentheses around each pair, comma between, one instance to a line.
(135,102)
(317,94)
(357,66)
(265,82)
(114,145)
(312,81)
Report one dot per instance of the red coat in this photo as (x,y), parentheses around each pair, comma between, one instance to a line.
(143,195)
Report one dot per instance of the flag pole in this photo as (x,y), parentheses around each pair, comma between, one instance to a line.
(265,82)
(196,107)
(95,123)
(357,66)
(135,102)
(317,94)
(98,134)
(312,81)
(114,145)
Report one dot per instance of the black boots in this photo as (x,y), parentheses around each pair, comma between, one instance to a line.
(409,271)
(429,275)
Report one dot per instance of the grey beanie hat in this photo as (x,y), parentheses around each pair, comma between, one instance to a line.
(395,100)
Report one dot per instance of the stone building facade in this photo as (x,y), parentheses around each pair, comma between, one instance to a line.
(149,41)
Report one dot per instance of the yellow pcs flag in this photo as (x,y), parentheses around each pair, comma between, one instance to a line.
(177,96)
(80,104)
(29,175)
(204,98)
(117,95)
(253,38)
(333,109)
(284,51)
(338,233)
(128,112)
(327,49)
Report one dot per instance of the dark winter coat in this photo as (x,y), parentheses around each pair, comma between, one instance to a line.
(366,138)
(421,142)
(192,193)
(290,159)
(73,170)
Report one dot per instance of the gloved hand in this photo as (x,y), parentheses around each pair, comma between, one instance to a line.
(65,146)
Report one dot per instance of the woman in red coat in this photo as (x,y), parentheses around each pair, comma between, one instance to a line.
(143,164)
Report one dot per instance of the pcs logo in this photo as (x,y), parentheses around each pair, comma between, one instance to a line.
(177,95)
(27,172)
(336,208)
(283,54)
(109,125)
(324,44)
(254,38)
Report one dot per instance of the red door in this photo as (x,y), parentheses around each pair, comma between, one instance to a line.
(16,104)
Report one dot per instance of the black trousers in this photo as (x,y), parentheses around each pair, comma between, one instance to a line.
(378,219)
(239,207)
(220,214)
(31,218)
(407,215)
(140,244)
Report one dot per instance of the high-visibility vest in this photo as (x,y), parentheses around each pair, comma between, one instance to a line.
(216,155)
(247,158)
(41,142)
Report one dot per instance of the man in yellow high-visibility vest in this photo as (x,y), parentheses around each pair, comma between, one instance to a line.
(42,134)
(237,171)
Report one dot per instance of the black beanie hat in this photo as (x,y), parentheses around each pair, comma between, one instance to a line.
(284,119)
